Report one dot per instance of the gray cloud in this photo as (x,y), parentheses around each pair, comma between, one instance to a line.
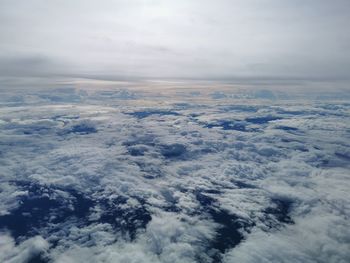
(27,66)
(182,39)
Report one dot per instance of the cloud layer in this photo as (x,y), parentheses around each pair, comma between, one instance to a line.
(133,178)
(225,40)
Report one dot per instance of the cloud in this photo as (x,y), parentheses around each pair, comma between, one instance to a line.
(30,66)
(240,41)
(23,252)
(95,182)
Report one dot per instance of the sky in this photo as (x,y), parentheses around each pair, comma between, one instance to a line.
(234,40)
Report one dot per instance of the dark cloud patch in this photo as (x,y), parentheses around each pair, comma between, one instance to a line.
(229,125)
(240,108)
(150,170)
(218,95)
(36,128)
(262,120)
(343,156)
(265,94)
(123,218)
(112,95)
(65,118)
(32,65)
(280,210)
(242,185)
(287,128)
(172,151)
(290,112)
(228,235)
(229,231)
(147,139)
(39,258)
(43,206)
(81,128)
(61,98)
(137,150)
(145,114)
(45,211)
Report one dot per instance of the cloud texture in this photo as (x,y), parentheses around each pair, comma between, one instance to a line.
(141,178)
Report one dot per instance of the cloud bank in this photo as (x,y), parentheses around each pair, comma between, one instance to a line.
(133,179)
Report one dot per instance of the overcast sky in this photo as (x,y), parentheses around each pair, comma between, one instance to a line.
(191,39)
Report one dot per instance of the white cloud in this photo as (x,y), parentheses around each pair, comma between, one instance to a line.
(23,252)
(170,176)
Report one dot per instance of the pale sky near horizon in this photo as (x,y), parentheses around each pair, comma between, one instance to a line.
(162,39)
